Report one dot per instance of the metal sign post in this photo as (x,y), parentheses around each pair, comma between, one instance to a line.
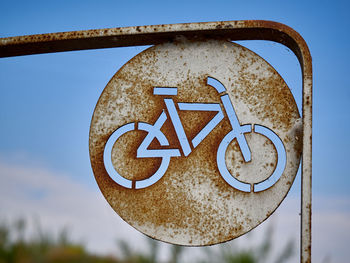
(196,140)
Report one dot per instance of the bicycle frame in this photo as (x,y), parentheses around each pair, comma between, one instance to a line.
(194,106)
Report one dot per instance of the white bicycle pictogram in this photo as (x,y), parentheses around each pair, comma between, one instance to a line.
(154,132)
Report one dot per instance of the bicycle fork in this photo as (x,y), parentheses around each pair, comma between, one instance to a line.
(238,130)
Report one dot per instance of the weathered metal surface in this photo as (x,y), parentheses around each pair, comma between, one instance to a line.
(192,204)
(306,174)
(229,30)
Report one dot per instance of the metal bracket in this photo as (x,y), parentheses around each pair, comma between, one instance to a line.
(156,34)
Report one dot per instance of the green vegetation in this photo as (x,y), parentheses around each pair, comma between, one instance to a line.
(261,253)
(43,247)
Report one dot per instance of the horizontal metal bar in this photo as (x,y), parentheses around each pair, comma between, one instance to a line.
(150,35)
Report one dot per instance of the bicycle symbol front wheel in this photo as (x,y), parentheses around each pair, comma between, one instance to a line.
(259,186)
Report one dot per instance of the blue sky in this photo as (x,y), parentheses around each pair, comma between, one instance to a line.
(47,101)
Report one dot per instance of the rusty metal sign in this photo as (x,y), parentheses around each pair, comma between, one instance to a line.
(196,140)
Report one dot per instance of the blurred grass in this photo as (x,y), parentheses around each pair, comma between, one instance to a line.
(44,247)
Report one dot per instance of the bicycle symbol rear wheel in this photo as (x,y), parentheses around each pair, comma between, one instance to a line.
(114,174)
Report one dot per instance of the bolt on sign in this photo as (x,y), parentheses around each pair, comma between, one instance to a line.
(196,140)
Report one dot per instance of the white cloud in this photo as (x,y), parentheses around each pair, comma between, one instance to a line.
(34,192)
(331,228)
(58,201)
